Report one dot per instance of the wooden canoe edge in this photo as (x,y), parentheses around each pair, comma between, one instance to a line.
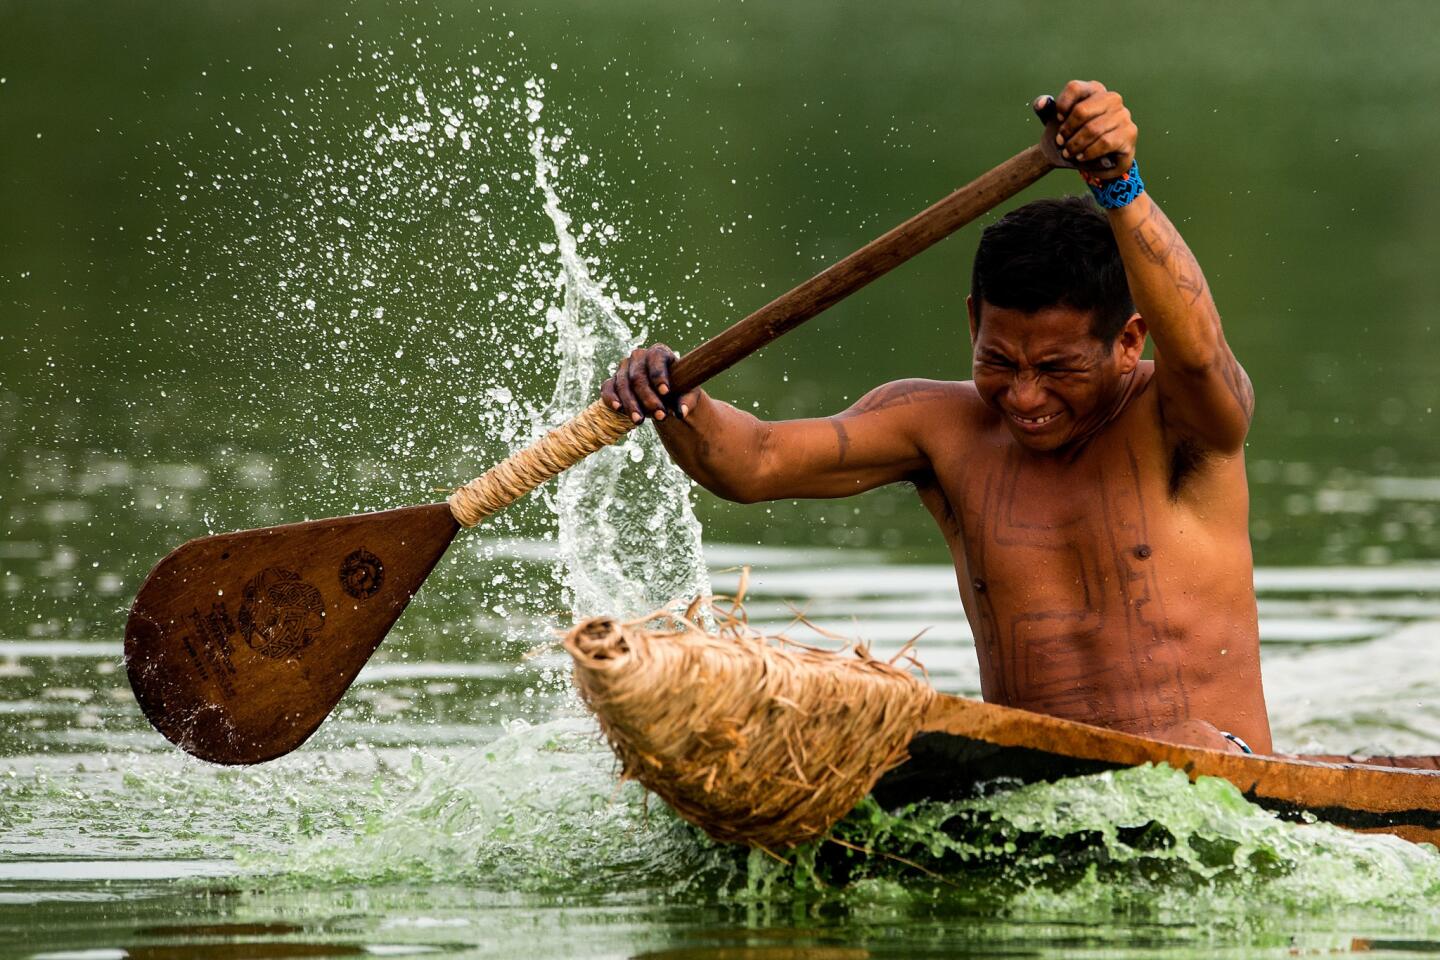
(1359,796)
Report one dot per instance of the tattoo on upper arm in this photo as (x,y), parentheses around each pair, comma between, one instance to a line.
(895,395)
(1239,384)
(1161,244)
(842,438)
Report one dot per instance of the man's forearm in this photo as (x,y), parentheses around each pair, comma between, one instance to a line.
(739,457)
(719,446)
(1171,293)
(1168,285)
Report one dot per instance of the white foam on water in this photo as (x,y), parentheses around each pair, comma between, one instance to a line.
(536,809)
(92,870)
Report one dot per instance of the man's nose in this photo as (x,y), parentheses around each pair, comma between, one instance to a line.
(1026,392)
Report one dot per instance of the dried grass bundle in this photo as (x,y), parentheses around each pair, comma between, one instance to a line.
(754,739)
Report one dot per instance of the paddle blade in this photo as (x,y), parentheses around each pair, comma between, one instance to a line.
(239,645)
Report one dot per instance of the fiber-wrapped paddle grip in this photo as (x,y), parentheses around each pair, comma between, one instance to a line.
(595,427)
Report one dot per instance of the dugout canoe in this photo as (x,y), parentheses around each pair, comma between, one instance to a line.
(962,743)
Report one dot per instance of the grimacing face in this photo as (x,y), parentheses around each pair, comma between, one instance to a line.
(1046,374)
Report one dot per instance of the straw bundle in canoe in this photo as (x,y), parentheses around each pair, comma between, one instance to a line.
(754,739)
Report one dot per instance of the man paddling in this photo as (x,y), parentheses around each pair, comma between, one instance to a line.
(1094,503)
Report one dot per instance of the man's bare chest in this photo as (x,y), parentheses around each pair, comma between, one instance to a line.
(1010,510)
(1060,566)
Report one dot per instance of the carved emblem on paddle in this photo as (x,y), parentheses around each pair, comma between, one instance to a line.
(280,613)
(362,574)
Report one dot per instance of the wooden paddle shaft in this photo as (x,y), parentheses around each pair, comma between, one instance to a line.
(875,259)
(598,426)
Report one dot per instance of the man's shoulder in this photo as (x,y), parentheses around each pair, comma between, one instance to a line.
(943,417)
(917,391)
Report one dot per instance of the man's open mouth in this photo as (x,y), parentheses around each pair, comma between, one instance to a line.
(1033,421)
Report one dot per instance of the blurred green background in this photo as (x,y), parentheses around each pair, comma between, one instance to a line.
(148,391)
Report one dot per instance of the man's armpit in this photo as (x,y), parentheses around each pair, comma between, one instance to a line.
(1191,440)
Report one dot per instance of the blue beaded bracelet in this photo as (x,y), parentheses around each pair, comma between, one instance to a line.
(1120,192)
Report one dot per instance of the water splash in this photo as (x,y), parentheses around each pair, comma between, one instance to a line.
(426,317)
(377,283)
(629,539)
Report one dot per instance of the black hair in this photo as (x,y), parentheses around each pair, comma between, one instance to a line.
(1054,252)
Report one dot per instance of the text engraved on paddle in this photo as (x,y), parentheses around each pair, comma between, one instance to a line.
(362,574)
(280,614)
(209,646)
(196,660)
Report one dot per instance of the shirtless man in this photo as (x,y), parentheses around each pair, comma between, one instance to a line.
(1094,503)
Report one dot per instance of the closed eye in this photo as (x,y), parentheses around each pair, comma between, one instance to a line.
(994,361)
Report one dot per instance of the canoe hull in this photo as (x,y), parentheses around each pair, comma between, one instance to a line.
(965,742)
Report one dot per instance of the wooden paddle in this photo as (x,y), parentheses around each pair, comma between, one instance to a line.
(239,645)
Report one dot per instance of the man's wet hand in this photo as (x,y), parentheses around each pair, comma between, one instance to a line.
(1094,124)
(641,388)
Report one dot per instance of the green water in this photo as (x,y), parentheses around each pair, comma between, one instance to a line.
(279,261)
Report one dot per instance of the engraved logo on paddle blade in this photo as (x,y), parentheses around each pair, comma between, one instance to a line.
(362,574)
(280,614)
